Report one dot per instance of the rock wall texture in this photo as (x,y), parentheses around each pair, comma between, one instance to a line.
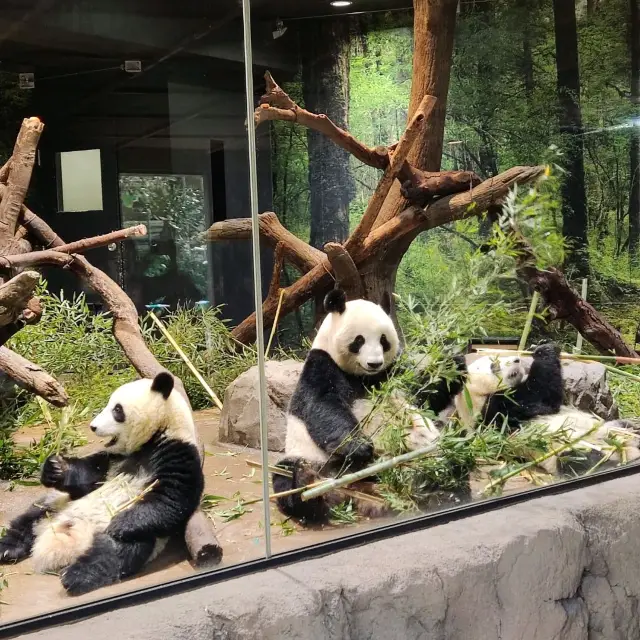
(564,567)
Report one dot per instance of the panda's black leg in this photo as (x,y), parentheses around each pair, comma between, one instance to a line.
(315,511)
(108,561)
(18,539)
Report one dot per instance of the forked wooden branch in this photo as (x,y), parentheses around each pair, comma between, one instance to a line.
(277,105)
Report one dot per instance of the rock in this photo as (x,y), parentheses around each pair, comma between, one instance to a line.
(585,387)
(240,419)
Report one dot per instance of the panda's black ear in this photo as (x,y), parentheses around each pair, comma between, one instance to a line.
(335,301)
(163,383)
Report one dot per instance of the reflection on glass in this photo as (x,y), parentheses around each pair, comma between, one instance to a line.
(169,265)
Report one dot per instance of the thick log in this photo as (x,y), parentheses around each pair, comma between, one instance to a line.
(202,543)
(301,255)
(426,185)
(32,377)
(4,171)
(22,161)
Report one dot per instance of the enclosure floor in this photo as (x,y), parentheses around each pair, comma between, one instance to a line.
(242,539)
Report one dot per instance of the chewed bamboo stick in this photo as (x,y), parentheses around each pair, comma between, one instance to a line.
(287,474)
(350,478)
(186,360)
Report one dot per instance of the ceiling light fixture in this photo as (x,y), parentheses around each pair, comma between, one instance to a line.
(341,3)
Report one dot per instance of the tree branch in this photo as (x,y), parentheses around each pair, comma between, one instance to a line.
(25,259)
(301,255)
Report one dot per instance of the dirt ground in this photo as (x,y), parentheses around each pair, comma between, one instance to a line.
(242,539)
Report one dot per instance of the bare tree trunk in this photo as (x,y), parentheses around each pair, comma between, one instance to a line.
(325,77)
(634,143)
(574,198)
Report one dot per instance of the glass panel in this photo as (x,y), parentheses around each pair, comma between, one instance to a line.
(539,95)
(144,109)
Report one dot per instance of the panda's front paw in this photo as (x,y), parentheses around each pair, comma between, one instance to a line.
(53,471)
(549,350)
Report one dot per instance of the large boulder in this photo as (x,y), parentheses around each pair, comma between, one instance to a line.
(585,387)
(240,419)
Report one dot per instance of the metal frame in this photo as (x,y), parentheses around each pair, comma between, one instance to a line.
(419,523)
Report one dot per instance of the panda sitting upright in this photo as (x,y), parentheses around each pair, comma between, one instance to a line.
(501,391)
(355,347)
(111,512)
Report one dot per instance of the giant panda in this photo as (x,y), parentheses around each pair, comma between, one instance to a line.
(501,391)
(327,430)
(111,512)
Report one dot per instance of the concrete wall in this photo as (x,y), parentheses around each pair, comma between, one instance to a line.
(558,568)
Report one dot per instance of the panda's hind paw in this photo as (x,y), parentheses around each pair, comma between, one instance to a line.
(13,548)
(359,452)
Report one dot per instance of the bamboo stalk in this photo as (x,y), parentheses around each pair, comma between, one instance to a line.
(350,478)
(536,461)
(621,372)
(271,468)
(275,322)
(527,325)
(186,360)
(579,340)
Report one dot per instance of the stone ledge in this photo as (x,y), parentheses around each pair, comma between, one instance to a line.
(563,567)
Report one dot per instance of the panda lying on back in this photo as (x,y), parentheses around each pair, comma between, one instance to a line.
(113,511)
(501,391)
(355,347)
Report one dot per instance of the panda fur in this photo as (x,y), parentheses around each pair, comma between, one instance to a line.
(91,527)
(502,391)
(354,349)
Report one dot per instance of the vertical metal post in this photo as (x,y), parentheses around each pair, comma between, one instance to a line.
(257,274)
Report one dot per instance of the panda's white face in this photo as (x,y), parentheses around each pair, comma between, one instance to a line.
(360,337)
(139,409)
(497,372)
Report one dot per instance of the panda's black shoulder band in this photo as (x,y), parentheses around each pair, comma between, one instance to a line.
(163,383)
(335,301)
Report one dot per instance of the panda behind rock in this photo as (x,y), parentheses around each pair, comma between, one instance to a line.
(355,347)
(503,391)
(95,527)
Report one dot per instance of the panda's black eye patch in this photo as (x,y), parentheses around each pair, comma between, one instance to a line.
(356,345)
(386,345)
(118,413)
